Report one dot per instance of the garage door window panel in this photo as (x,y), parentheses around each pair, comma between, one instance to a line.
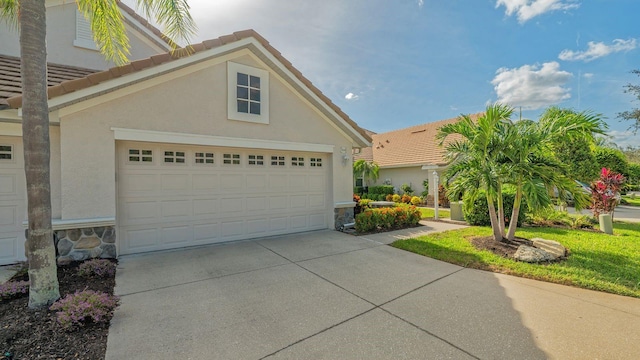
(315,162)
(297,161)
(205,158)
(140,156)
(6,153)
(231,159)
(277,160)
(174,157)
(256,160)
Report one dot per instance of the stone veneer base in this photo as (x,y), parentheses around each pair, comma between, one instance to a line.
(85,243)
(342,216)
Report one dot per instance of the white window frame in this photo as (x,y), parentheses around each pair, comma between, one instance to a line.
(208,158)
(315,162)
(84,35)
(297,161)
(175,157)
(11,153)
(232,107)
(279,161)
(140,156)
(255,160)
(233,159)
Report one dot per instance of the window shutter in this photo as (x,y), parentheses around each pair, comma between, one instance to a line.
(84,36)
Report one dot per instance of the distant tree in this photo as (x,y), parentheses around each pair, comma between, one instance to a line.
(634,174)
(576,154)
(632,115)
(368,170)
(632,154)
(612,159)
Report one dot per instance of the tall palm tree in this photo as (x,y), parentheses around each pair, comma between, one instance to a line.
(108,29)
(369,170)
(474,151)
(532,166)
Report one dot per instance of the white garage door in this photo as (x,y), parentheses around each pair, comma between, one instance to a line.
(12,200)
(172,196)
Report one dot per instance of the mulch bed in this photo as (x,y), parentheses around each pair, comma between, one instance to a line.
(35,334)
(506,248)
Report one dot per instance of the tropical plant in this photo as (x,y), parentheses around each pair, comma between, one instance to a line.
(612,159)
(528,162)
(495,151)
(368,170)
(406,188)
(605,193)
(474,153)
(107,25)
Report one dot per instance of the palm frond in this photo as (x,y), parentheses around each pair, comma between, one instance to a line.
(9,13)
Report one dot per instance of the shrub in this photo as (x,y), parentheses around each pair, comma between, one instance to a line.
(396,198)
(13,289)
(365,203)
(416,200)
(406,188)
(387,218)
(381,189)
(97,267)
(406,198)
(425,184)
(389,197)
(477,213)
(358,190)
(604,192)
(87,305)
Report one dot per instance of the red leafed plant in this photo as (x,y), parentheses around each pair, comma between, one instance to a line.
(605,192)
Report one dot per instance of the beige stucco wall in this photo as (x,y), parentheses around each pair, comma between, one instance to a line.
(413,176)
(195,103)
(61,32)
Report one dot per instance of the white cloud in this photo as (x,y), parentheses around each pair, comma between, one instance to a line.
(351,97)
(587,75)
(598,49)
(528,9)
(420,3)
(624,138)
(531,86)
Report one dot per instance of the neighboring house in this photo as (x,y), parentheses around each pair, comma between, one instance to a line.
(229,143)
(408,156)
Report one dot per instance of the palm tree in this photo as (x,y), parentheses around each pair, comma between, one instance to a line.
(109,33)
(369,170)
(533,167)
(475,149)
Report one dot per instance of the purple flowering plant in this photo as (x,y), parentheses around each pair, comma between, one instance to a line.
(75,310)
(13,289)
(97,267)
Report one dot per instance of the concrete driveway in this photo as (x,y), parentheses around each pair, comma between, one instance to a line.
(327,295)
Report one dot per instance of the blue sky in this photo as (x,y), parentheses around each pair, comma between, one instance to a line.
(391,64)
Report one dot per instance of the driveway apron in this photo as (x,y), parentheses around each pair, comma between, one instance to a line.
(328,295)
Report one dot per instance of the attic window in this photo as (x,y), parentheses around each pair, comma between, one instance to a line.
(84,35)
(248,93)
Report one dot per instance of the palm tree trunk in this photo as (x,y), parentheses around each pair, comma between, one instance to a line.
(513,223)
(43,279)
(495,226)
(501,210)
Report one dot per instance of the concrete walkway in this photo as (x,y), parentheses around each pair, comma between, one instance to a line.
(327,295)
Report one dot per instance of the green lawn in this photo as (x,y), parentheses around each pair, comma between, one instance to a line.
(635,201)
(609,263)
(429,213)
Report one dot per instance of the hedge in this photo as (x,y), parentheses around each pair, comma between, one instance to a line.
(477,213)
(387,218)
(381,189)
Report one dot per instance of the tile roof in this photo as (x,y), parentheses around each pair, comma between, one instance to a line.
(92,79)
(412,146)
(11,81)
